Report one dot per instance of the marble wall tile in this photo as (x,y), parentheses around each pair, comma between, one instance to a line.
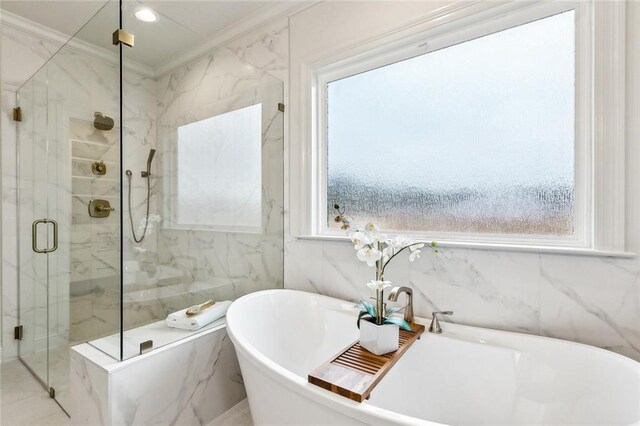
(229,264)
(592,300)
(22,55)
(267,48)
(585,299)
(89,392)
(189,383)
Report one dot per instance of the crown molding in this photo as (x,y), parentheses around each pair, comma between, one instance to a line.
(258,19)
(46,34)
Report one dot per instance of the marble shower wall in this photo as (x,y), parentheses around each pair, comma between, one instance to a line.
(94,242)
(226,265)
(588,299)
(85,85)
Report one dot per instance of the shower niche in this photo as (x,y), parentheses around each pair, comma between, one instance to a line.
(102,148)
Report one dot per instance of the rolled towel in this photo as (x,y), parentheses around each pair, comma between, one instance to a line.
(181,320)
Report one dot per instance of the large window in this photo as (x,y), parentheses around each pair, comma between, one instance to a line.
(474,138)
(481,124)
(219,171)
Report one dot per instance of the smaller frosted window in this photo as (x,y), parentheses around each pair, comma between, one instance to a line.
(219,171)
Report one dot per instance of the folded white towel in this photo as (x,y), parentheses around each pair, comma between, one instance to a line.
(181,320)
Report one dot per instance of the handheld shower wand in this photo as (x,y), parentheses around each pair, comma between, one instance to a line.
(145,174)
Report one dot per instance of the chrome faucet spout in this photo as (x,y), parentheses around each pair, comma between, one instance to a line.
(408,309)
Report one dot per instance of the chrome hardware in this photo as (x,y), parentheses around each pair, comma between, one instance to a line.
(146,346)
(434,327)
(100,208)
(408,309)
(121,36)
(34,236)
(99,168)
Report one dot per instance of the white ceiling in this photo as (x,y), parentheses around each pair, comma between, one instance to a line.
(206,18)
(182,24)
(66,16)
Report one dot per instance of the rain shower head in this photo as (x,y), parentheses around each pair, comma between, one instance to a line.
(102,122)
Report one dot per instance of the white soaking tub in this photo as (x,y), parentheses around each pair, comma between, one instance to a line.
(466,375)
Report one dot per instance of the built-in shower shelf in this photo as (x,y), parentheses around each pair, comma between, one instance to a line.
(100,178)
(355,371)
(93,159)
(91,142)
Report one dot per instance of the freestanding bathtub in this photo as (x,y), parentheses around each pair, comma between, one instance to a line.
(466,375)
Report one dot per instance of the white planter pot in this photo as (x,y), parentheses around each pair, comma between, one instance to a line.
(379,339)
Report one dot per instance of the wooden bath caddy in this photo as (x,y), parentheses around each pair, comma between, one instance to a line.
(355,372)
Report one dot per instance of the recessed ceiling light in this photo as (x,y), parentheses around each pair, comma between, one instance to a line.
(146,15)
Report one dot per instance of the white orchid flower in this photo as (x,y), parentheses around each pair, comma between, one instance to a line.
(415,254)
(387,252)
(360,239)
(369,255)
(371,227)
(378,285)
(400,241)
(416,247)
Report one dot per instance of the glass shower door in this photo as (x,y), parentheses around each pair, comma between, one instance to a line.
(68,147)
(33,234)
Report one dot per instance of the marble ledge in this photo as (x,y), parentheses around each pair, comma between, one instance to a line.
(168,339)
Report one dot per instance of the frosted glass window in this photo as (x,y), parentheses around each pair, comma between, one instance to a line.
(219,171)
(473,138)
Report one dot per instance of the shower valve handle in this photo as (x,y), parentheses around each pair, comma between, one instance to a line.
(101,208)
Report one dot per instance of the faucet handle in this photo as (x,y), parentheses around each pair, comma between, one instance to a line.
(434,327)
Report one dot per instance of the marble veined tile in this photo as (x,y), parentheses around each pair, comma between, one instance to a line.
(593,301)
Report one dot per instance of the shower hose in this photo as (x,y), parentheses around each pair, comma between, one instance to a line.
(146,221)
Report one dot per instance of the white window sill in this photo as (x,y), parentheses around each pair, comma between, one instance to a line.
(499,247)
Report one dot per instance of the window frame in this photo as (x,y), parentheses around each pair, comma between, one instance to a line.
(599,91)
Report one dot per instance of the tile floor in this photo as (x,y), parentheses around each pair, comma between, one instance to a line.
(59,367)
(239,415)
(24,402)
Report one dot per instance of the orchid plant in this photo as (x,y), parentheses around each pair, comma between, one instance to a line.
(378,250)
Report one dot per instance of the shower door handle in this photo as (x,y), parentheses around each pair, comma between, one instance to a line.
(34,236)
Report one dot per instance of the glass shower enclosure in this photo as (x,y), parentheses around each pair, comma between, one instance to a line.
(147,183)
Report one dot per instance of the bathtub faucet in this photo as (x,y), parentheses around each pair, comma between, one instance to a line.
(408,309)
(435,324)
